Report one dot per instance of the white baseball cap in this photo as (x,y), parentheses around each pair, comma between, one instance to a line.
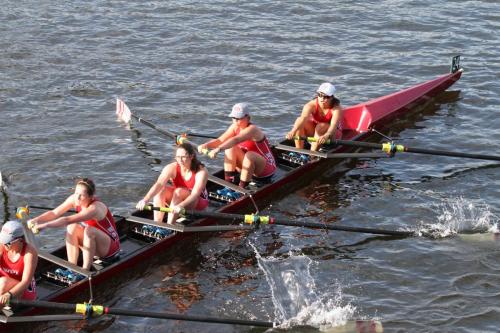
(11,230)
(326,88)
(239,111)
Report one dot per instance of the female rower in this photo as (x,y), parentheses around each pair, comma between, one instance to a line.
(245,146)
(320,118)
(92,228)
(188,177)
(18,261)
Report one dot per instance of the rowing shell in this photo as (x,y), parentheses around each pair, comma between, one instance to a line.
(140,241)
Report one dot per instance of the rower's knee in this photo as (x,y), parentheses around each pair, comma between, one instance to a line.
(3,285)
(89,233)
(71,228)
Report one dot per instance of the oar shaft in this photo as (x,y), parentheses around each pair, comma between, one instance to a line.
(315,225)
(153,126)
(135,313)
(400,148)
(451,154)
(173,316)
(268,220)
(197,135)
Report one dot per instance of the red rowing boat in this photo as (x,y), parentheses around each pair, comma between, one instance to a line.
(142,239)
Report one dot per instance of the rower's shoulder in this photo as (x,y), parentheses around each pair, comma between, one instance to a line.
(311,105)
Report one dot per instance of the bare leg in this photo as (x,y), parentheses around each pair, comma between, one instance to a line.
(231,158)
(159,200)
(306,130)
(320,129)
(253,165)
(74,232)
(95,243)
(6,284)
(179,195)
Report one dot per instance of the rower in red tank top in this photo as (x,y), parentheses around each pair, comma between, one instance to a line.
(108,226)
(92,225)
(181,184)
(246,149)
(180,181)
(262,148)
(321,118)
(18,261)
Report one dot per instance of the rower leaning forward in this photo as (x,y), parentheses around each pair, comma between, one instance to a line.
(246,149)
(181,185)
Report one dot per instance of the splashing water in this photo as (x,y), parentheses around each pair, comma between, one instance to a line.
(459,215)
(295,296)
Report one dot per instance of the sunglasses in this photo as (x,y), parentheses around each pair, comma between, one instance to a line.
(324,96)
(182,157)
(9,244)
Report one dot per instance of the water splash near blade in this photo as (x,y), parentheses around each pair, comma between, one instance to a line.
(460,215)
(297,300)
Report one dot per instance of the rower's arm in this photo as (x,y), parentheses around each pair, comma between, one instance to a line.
(56,212)
(89,213)
(214,143)
(252,132)
(336,117)
(300,121)
(30,262)
(168,172)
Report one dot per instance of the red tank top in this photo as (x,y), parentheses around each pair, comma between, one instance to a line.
(261,147)
(106,225)
(13,269)
(319,117)
(179,181)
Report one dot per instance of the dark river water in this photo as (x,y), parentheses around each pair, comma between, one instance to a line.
(183,64)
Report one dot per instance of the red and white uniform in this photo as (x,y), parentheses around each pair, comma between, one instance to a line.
(108,226)
(14,270)
(262,148)
(179,181)
(319,117)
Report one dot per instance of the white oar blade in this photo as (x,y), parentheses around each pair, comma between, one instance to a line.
(122,111)
(3,186)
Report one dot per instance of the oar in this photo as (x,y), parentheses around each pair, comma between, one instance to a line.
(257,219)
(392,148)
(89,310)
(125,115)
(69,211)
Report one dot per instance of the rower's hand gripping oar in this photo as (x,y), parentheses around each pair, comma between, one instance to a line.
(257,219)
(392,148)
(22,213)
